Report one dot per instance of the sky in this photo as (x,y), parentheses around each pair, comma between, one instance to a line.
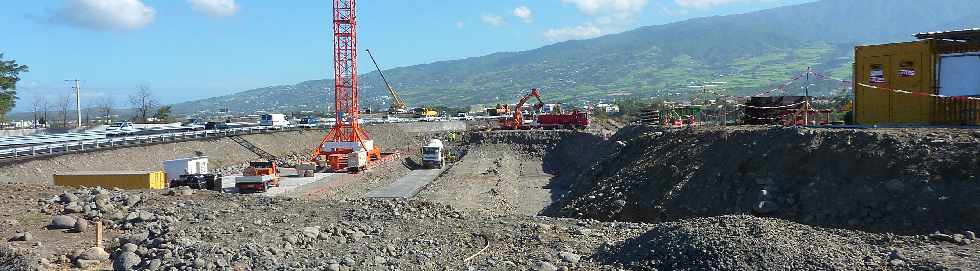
(191,49)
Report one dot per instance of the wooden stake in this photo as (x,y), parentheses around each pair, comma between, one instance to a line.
(98,234)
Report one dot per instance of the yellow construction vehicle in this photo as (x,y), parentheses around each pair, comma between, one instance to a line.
(397,104)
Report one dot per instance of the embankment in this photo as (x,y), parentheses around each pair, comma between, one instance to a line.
(879,180)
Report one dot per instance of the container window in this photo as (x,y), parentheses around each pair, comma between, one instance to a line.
(906,69)
(877,74)
(959,75)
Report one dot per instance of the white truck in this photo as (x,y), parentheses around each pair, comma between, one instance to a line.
(192,172)
(273,120)
(432,154)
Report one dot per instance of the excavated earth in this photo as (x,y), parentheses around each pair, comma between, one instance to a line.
(745,198)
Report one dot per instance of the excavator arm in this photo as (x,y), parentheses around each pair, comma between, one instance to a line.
(518,119)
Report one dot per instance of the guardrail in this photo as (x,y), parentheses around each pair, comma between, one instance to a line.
(137,140)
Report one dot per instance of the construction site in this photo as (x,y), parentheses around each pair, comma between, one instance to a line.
(779,185)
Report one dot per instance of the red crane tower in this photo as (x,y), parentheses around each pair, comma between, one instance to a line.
(346,145)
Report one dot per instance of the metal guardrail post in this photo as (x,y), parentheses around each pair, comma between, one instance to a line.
(81,145)
(33,152)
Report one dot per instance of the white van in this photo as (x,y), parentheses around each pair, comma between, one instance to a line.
(274,120)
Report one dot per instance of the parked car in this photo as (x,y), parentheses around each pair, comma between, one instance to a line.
(212,125)
(309,122)
(122,128)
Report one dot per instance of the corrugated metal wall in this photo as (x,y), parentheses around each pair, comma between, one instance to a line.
(909,66)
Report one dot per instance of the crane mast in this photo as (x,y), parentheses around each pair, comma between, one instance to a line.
(347,136)
(397,104)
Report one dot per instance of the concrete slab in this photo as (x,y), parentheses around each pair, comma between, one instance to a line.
(406,186)
(286,184)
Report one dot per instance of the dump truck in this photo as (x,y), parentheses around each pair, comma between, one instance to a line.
(432,154)
(575,119)
(259,176)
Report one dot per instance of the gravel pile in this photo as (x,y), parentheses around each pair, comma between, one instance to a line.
(750,243)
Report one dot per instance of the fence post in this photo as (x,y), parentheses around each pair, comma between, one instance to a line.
(33,152)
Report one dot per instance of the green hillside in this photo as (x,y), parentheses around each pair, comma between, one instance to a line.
(749,52)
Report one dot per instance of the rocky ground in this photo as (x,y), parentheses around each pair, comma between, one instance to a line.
(688,199)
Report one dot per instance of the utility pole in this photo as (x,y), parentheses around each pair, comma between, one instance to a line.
(806,91)
(78,100)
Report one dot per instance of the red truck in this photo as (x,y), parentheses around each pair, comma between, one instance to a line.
(575,119)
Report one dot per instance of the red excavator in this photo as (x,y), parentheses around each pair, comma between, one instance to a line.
(517,121)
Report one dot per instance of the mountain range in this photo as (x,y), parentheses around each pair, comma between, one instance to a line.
(739,54)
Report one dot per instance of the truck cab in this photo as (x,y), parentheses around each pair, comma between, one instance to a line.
(432,154)
(259,176)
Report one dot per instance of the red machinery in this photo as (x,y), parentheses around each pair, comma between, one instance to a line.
(517,121)
(346,144)
(575,119)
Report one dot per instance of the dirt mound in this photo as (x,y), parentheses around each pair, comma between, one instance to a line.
(749,243)
(880,180)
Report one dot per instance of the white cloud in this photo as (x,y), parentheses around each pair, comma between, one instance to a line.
(215,8)
(493,20)
(460,24)
(104,14)
(605,17)
(524,13)
(584,31)
(703,4)
(623,7)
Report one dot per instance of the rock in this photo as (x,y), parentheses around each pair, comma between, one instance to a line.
(88,264)
(200,263)
(69,198)
(545,266)
(380,260)
(62,222)
(333,267)
(22,237)
(970,235)
(126,261)
(942,237)
(154,265)
(94,254)
(292,239)
(569,257)
(896,262)
(81,225)
(132,200)
(185,192)
(74,208)
(129,247)
(323,236)
(895,185)
(765,207)
(311,232)
(896,254)
(620,203)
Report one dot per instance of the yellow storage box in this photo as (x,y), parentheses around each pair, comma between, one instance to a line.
(110,179)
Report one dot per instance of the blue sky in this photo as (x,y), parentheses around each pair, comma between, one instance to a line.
(191,49)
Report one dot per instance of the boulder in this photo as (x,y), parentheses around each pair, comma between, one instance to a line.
(94,254)
(62,222)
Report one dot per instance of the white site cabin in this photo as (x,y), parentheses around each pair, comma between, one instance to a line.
(185,166)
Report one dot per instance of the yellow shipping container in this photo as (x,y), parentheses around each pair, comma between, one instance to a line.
(110,179)
(914,67)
